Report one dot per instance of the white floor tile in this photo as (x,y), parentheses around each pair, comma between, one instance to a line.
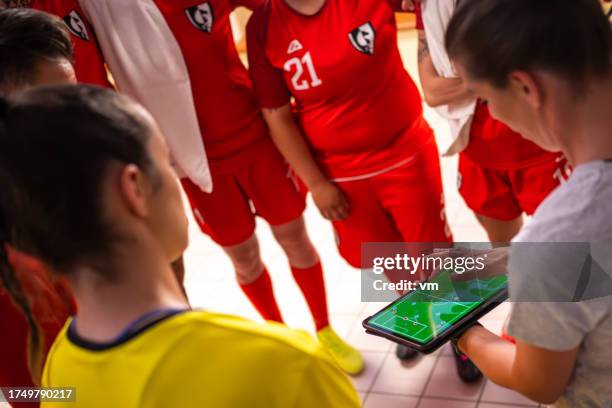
(373,362)
(473,233)
(494,393)
(445,382)
(404,378)
(493,325)
(390,401)
(445,403)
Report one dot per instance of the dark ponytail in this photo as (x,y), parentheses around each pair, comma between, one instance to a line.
(9,281)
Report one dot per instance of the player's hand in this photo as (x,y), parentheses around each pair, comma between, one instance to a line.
(330,201)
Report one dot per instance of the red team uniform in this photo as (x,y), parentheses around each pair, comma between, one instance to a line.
(51,301)
(249,175)
(88,61)
(360,112)
(245,165)
(501,174)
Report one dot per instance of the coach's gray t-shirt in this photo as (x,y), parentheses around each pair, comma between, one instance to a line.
(560,270)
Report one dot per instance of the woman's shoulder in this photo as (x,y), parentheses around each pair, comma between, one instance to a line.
(203,325)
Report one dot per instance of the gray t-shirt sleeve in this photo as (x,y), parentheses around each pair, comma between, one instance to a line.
(558,326)
(551,306)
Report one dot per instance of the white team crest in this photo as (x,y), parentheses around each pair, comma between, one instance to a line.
(294,46)
(76,25)
(201,16)
(363,38)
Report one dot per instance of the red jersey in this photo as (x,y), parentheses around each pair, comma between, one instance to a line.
(88,61)
(354,101)
(494,145)
(228,115)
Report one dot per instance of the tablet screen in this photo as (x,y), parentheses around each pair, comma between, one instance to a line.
(423,315)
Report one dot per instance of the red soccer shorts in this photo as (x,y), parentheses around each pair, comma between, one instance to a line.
(505,194)
(264,187)
(405,204)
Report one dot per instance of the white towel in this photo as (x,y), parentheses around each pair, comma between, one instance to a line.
(436,15)
(147,64)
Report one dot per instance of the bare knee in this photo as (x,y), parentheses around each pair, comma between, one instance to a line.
(246,260)
(294,240)
(500,231)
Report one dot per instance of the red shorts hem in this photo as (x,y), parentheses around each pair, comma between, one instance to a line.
(506,194)
(266,187)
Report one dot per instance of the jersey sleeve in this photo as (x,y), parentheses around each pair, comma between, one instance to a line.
(268,81)
(536,323)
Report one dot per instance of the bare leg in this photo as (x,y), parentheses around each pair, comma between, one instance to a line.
(253,278)
(246,260)
(294,240)
(500,231)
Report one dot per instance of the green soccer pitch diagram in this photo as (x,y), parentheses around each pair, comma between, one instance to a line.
(424,314)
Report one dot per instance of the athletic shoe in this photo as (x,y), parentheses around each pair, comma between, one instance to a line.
(347,357)
(468,372)
(405,353)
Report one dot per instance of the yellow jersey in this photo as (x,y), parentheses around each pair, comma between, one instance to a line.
(199,359)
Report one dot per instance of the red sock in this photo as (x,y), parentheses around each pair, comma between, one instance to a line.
(310,281)
(261,295)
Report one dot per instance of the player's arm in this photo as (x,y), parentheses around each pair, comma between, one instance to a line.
(289,140)
(274,98)
(438,90)
(539,374)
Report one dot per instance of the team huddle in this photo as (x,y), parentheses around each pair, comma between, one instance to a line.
(104,102)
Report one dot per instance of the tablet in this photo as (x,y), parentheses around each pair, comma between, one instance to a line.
(425,319)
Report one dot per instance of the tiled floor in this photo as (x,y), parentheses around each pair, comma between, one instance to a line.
(428,382)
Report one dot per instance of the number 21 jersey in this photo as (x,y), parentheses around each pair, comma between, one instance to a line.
(355,103)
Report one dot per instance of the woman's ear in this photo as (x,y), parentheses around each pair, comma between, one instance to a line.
(527,88)
(134,188)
